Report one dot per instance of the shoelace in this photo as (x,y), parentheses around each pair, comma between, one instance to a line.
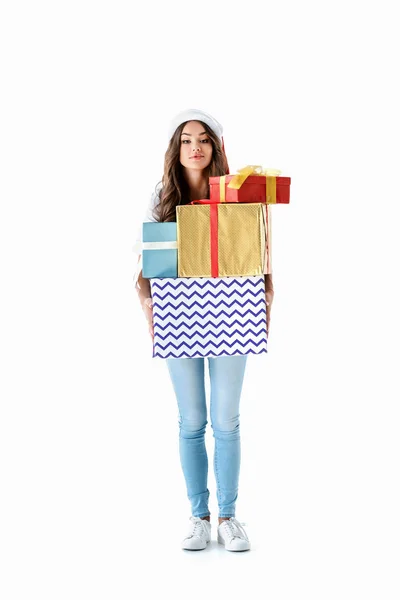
(234,529)
(198,527)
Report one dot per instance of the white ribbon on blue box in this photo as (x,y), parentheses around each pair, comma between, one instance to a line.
(159,250)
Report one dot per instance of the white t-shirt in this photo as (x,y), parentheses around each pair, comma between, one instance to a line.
(149,215)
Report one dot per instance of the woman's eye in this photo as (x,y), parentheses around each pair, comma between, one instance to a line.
(205,141)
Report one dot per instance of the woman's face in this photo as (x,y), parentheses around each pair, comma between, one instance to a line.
(196,146)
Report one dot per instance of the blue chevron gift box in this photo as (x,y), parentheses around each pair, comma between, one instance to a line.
(159,250)
(201,316)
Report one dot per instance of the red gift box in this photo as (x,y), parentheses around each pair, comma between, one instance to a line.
(253,189)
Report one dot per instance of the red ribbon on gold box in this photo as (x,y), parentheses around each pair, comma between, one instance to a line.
(221,240)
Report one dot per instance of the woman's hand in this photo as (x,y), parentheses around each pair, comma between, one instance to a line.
(269,296)
(147,307)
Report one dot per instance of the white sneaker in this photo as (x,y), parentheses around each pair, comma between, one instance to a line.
(198,536)
(232,535)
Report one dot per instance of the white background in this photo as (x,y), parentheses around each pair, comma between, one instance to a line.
(93,502)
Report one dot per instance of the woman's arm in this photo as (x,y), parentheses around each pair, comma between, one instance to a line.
(143,288)
(144,294)
(269,296)
(269,286)
(142,285)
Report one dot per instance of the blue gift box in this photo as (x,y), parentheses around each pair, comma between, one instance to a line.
(159,250)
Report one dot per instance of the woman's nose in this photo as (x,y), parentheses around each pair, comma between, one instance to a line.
(196,146)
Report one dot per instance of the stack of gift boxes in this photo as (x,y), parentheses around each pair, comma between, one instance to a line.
(207,269)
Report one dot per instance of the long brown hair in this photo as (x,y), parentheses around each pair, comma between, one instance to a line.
(175,189)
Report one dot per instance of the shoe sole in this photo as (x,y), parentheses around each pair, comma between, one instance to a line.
(220,541)
(195,549)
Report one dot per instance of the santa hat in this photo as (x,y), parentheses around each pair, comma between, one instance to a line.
(194,114)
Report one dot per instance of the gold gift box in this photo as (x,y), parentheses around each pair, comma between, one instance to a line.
(221,240)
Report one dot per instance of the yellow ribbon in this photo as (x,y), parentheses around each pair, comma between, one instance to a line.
(242,174)
(222,188)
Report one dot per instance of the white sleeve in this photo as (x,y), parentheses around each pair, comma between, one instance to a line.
(149,216)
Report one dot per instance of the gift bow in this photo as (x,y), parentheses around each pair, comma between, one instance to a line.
(242,174)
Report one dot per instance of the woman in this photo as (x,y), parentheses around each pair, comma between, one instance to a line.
(195,153)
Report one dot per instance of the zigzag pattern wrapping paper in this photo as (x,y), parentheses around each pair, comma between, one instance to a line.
(201,316)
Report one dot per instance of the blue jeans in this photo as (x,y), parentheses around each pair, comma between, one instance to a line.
(226,379)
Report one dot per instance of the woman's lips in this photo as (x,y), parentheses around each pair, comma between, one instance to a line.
(196,157)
